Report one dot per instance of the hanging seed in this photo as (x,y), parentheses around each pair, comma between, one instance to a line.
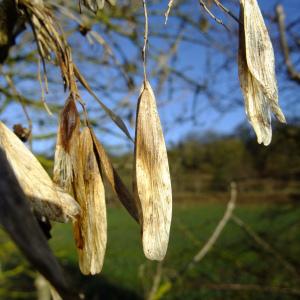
(67,146)
(114,179)
(152,184)
(257,71)
(90,229)
(47,199)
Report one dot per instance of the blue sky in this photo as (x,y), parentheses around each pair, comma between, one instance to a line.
(192,60)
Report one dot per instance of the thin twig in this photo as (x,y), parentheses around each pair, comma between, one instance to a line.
(225,9)
(264,244)
(144,51)
(219,21)
(293,74)
(42,88)
(170,4)
(252,288)
(156,281)
(24,108)
(17,95)
(214,237)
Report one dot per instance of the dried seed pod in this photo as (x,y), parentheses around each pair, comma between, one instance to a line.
(90,228)
(67,145)
(114,179)
(45,197)
(257,71)
(152,182)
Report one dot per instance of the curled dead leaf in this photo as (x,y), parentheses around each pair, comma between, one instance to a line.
(45,197)
(152,183)
(257,71)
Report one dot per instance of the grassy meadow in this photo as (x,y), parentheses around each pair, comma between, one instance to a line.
(237,267)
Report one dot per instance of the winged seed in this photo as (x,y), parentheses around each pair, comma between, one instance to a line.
(114,179)
(45,197)
(152,183)
(91,228)
(257,71)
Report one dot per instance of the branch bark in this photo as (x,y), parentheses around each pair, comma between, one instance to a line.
(292,72)
(19,222)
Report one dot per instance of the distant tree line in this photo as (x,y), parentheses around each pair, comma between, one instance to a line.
(210,161)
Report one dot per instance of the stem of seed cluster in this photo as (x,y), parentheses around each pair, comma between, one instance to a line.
(145,39)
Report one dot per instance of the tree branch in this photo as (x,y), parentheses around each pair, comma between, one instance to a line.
(214,237)
(265,245)
(292,72)
(18,221)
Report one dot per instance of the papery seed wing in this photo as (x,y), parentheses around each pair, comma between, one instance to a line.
(92,223)
(256,103)
(259,50)
(45,197)
(67,146)
(153,184)
(114,179)
(259,53)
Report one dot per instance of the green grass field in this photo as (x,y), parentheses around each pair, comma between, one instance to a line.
(235,258)
(237,267)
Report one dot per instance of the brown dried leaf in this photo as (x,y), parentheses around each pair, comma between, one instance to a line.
(45,197)
(114,179)
(152,182)
(90,229)
(257,72)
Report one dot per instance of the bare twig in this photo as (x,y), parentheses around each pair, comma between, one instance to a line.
(252,288)
(23,105)
(42,288)
(226,10)
(170,4)
(219,21)
(264,244)
(42,88)
(293,74)
(17,95)
(156,281)
(144,51)
(214,237)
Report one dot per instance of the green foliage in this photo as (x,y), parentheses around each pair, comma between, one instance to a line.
(209,162)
